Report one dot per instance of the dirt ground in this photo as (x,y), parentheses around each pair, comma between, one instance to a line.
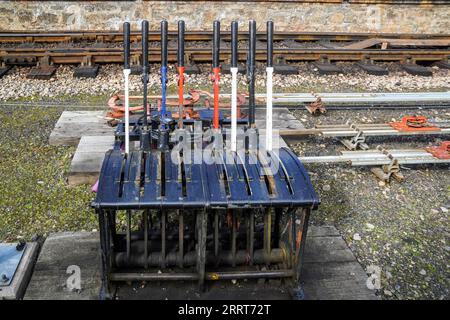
(402,228)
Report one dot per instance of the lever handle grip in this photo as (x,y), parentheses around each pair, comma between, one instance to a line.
(234,44)
(216,44)
(252,43)
(180,53)
(164,43)
(126,45)
(145,45)
(270,43)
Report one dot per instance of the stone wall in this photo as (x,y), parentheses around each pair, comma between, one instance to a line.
(288,16)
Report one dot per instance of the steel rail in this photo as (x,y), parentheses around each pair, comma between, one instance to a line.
(368,132)
(21,36)
(356,97)
(115,55)
(375,157)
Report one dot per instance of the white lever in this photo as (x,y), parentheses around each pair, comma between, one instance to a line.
(269,71)
(234,72)
(126,74)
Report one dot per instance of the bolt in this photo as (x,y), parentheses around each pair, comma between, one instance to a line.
(20,245)
(4,278)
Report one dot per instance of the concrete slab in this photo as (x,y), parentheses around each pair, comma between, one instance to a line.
(373,69)
(440,64)
(88,158)
(330,272)
(59,252)
(417,70)
(327,68)
(72,125)
(285,69)
(19,281)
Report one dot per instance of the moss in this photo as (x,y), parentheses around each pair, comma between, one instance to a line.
(35,198)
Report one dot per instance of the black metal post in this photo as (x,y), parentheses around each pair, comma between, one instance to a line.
(251,72)
(269,44)
(234,44)
(145,66)
(126,45)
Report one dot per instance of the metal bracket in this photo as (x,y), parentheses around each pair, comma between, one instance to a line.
(358,141)
(413,123)
(441,152)
(87,69)
(44,69)
(317,107)
(135,63)
(388,170)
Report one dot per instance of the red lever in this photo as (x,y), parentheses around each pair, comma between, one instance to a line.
(215,78)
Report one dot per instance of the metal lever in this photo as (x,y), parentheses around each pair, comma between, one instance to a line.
(163,67)
(234,72)
(126,74)
(216,71)
(145,66)
(269,72)
(251,72)
(180,58)
(145,140)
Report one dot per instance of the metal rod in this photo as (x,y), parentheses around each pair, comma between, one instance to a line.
(269,86)
(145,67)
(216,72)
(128,235)
(251,72)
(201,246)
(163,239)
(126,74)
(180,238)
(225,258)
(267,231)
(216,233)
(194,276)
(375,157)
(180,58)
(252,237)
(234,72)
(164,27)
(233,238)
(146,238)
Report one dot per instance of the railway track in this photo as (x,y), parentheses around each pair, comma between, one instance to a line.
(91,48)
(117,36)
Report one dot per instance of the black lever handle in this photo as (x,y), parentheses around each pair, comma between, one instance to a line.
(270,44)
(180,53)
(252,43)
(145,46)
(251,71)
(216,43)
(164,43)
(145,70)
(234,44)
(126,45)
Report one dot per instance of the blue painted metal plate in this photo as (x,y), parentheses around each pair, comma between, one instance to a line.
(9,261)
(153,180)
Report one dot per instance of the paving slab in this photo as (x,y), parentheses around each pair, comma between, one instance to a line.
(72,125)
(59,254)
(88,158)
(330,271)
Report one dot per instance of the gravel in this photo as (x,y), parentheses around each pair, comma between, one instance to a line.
(403,228)
(15,85)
